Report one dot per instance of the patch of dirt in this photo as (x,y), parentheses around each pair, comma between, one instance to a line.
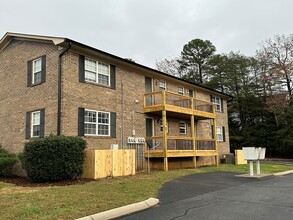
(18,190)
(24,182)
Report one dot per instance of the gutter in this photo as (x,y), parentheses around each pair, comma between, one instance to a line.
(145,67)
(60,88)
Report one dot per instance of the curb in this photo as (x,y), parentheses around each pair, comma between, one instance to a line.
(283,173)
(259,176)
(124,210)
(262,176)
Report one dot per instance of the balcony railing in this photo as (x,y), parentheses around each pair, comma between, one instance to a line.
(180,143)
(164,98)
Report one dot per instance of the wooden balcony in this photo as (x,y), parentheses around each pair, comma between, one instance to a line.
(170,104)
(178,105)
(179,147)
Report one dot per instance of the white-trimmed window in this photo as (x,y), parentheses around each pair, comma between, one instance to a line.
(96,123)
(36,124)
(218,103)
(37,71)
(219,133)
(182,127)
(162,85)
(97,72)
(181,90)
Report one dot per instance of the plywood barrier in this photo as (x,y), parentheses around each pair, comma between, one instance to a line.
(104,163)
(239,157)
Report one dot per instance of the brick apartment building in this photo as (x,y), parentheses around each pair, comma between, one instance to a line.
(52,85)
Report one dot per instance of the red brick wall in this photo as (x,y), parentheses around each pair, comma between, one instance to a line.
(16,98)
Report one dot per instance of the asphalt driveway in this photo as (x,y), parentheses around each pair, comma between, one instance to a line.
(223,196)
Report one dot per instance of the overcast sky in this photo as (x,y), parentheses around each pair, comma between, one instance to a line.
(150,30)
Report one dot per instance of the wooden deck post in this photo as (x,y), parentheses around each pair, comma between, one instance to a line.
(193,139)
(215,139)
(192,133)
(164,122)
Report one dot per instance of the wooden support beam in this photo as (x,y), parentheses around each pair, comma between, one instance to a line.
(215,139)
(164,122)
(193,137)
(181,153)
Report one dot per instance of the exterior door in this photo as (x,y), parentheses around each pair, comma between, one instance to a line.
(149,132)
(148,89)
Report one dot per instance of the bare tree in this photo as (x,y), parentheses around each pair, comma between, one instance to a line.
(278,52)
(170,66)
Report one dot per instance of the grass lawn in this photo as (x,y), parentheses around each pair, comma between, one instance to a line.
(85,198)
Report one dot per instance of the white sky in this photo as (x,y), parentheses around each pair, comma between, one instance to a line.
(149,30)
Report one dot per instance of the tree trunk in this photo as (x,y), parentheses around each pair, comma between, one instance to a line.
(200,73)
(288,86)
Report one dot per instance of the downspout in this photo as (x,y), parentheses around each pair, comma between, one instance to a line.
(122,117)
(60,88)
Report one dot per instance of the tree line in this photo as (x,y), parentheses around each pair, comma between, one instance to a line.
(261,112)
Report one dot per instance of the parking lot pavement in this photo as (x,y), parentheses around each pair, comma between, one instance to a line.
(223,196)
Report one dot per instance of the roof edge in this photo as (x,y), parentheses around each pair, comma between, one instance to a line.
(59,40)
(147,68)
(9,36)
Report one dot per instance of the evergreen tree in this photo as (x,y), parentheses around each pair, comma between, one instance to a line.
(194,56)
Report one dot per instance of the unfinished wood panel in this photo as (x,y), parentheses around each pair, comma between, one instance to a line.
(154,153)
(153,108)
(88,167)
(239,157)
(206,153)
(118,163)
(171,102)
(204,115)
(104,163)
(181,153)
(131,160)
(128,161)
(182,110)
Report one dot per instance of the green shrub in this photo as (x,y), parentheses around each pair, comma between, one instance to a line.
(53,158)
(7,161)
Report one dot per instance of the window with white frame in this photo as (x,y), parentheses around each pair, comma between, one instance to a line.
(181,90)
(103,74)
(182,127)
(219,133)
(36,122)
(90,70)
(162,85)
(97,72)
(218,103)
(37,71)
(96,123)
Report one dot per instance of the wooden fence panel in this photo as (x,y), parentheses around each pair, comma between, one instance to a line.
(89,164)
(117,163)
(123,162)
(103,163)
(129,164)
